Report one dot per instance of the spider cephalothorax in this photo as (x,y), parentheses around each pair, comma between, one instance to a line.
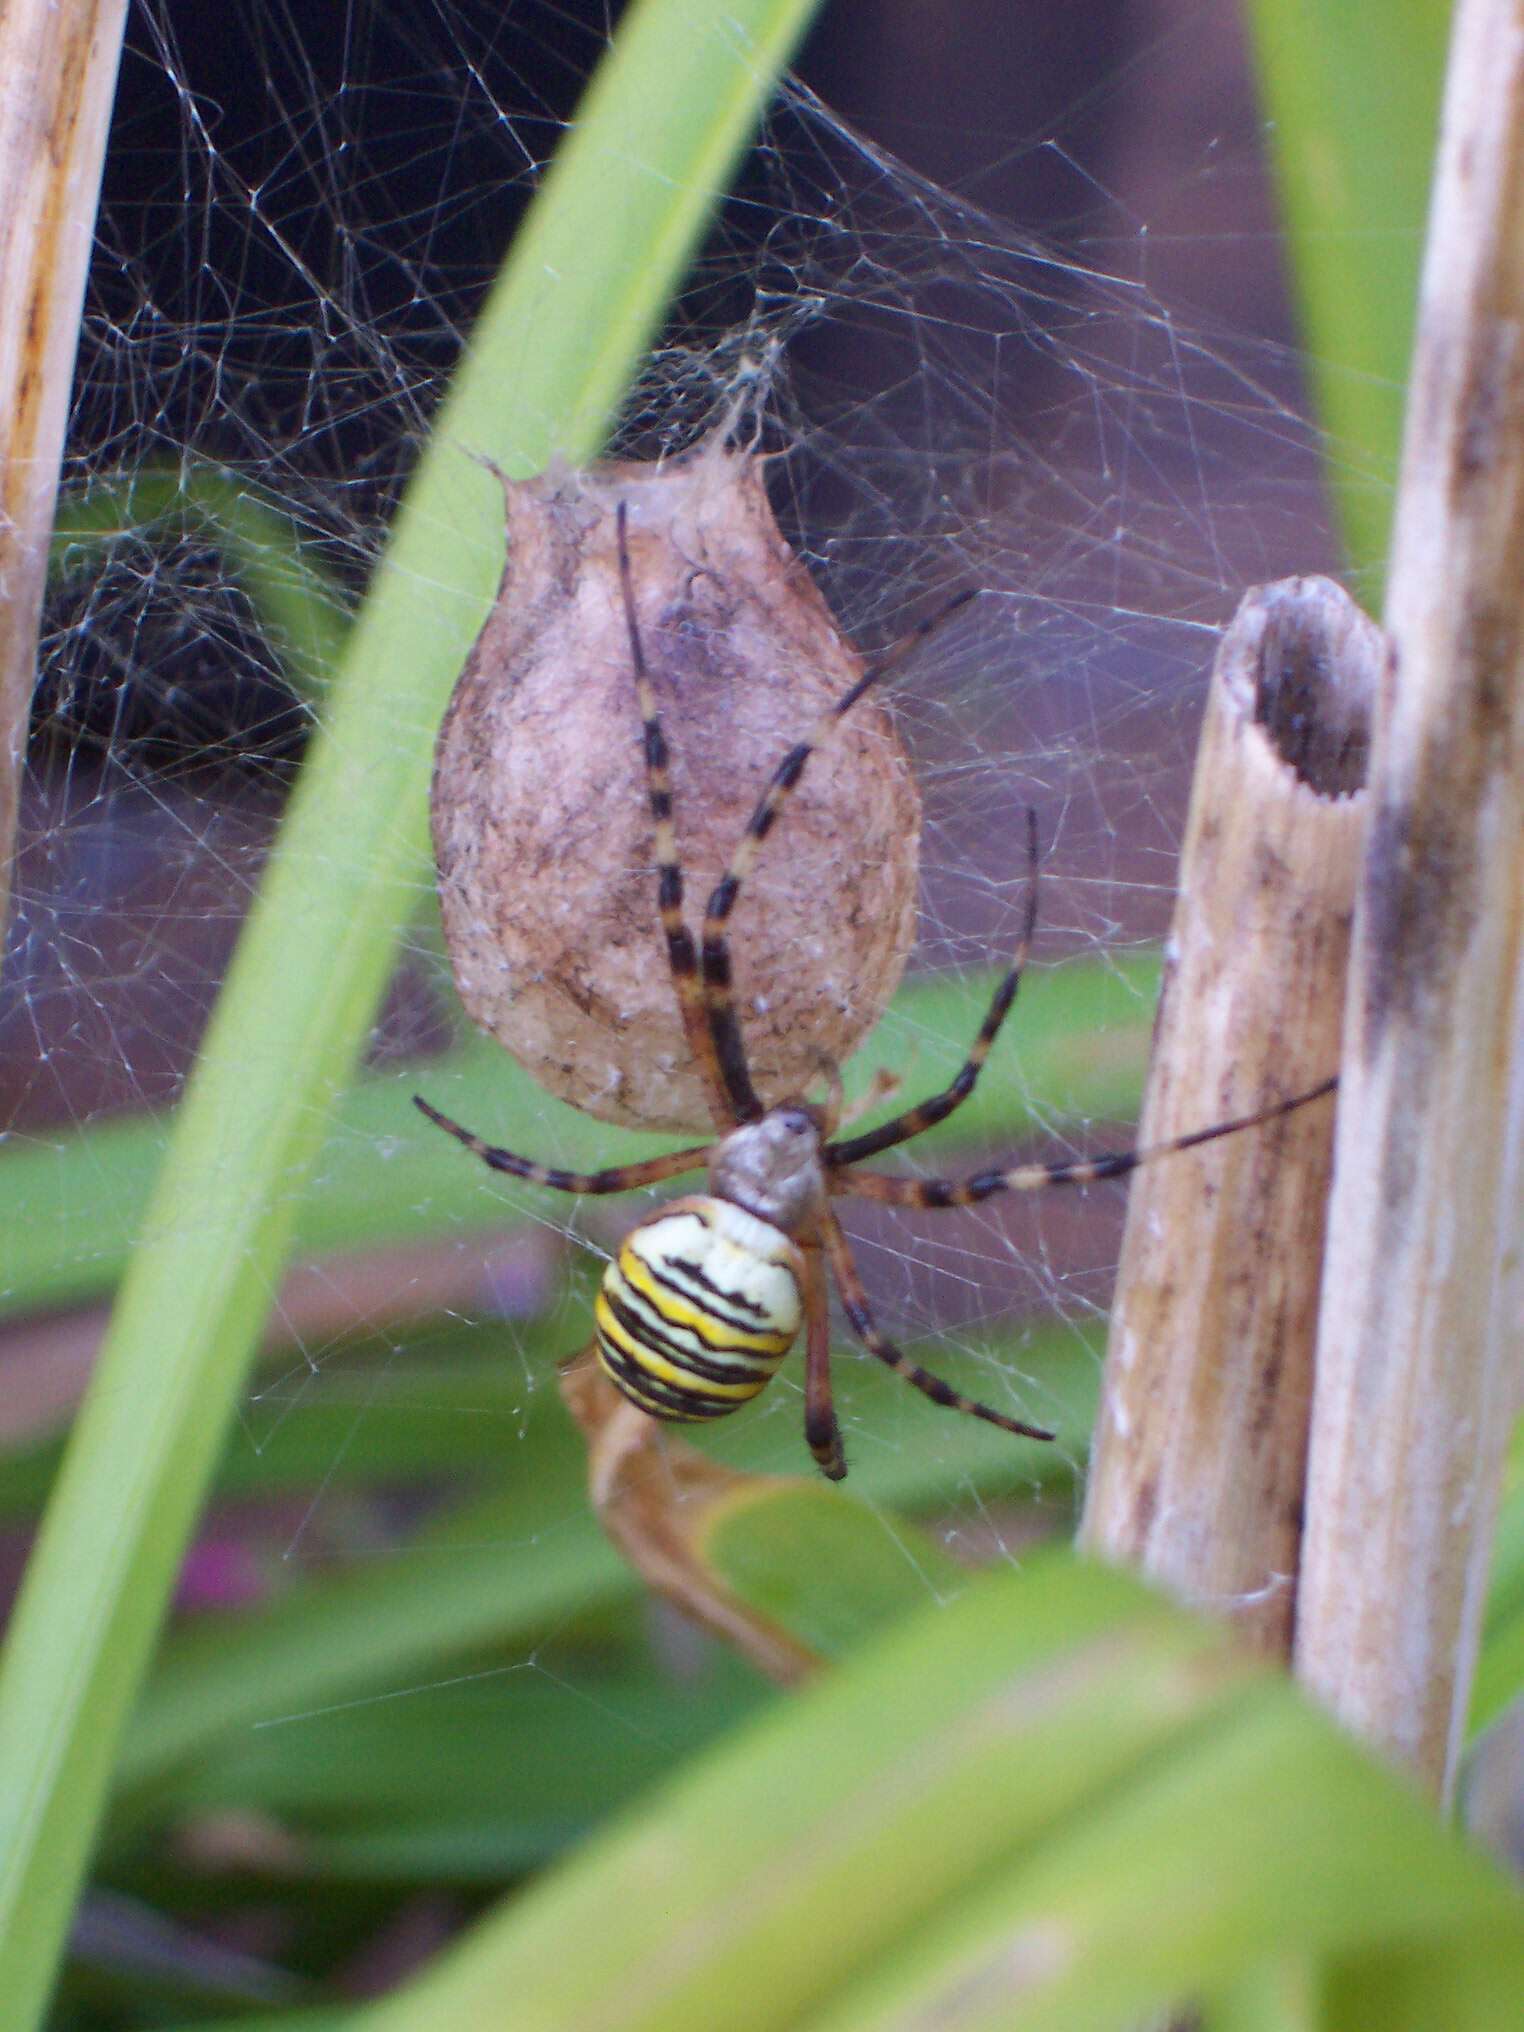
(705,1297)
(772,1167)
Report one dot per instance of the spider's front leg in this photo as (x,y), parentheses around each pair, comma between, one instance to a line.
(715,1045)
(618,1178)
(717,988)
(982,1185)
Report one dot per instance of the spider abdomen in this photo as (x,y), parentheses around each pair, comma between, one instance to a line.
(698,1308)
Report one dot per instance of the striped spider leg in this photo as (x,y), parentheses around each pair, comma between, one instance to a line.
(716,986)
(983,1185)
(617,1178)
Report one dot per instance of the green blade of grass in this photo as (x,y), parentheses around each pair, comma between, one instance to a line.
(1499,1678)
(599,255)
(288,2021)
(1268,1830)
(501,1571)
(1055,1803)
(1283,1995)
(1471,1987)
(772,1871)
(484,1776)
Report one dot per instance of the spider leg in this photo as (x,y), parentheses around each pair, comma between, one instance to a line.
(621,1178)
(821,1431)
(717,986)
(727,1083)
(940,1106)
(855,1301)
(982,1185)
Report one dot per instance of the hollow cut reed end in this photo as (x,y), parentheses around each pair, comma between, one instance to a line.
(1201,1440)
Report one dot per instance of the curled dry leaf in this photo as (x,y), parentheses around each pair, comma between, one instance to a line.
(542,828)
(657,1497)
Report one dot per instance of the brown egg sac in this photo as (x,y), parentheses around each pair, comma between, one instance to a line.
(542,825)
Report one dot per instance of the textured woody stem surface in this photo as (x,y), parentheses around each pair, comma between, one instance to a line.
(57,74)
(1415,1353)
(1201,1442)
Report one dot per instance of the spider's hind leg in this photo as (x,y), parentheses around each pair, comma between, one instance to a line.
(821,1431)
(855,1301)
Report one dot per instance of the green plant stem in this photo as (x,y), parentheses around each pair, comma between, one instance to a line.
(587,280)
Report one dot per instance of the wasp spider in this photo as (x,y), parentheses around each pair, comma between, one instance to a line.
(706,1296)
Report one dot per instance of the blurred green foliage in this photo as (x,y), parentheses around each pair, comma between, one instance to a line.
(1351,99)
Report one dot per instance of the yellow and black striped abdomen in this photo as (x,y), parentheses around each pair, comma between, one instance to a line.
(697,1310)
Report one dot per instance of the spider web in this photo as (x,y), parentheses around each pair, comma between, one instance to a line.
(1092,415)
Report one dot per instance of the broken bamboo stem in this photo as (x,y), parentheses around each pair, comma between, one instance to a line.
(1416,1354)
(1200,1453)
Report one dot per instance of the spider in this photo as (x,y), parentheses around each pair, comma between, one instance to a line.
(706,1296)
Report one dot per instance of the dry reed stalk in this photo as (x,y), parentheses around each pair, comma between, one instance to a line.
(1417,1352)
(1201,1441)
(57,76)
